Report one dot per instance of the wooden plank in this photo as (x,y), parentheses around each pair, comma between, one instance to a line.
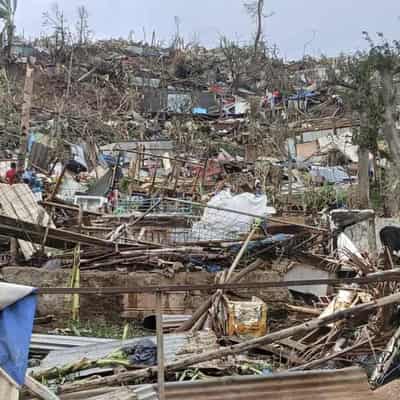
(160,348)
(39,390)
(57,238)
(293,344)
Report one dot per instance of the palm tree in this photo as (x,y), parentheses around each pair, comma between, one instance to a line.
(7,14)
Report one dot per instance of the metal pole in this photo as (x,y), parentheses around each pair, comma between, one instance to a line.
(160,347)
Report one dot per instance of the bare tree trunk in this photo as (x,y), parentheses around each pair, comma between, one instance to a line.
(25,117)
(260,8)
(363,177)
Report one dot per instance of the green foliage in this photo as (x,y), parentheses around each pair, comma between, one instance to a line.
(316,199)
(377,197)
(358,79)
(383,56)
(103,329)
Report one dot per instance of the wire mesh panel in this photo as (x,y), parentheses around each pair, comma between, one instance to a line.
(183,222)
(156,204)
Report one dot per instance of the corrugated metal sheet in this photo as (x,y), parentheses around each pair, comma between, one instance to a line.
(156,147)
(145,82)
(17,201)
(40,156)
(346,384)
(174,344)
(46,343)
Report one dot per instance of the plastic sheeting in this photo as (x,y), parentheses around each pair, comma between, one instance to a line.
(223,225)
(331,174)
(17,307)
(345,245)
(78,155)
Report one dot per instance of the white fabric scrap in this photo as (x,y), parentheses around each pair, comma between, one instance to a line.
(11,293)
(345,244)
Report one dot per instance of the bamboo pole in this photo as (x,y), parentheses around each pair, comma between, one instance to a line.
(75,283)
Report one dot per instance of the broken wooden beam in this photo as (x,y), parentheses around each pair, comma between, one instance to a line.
(56,238)
(39,390)
(69,207)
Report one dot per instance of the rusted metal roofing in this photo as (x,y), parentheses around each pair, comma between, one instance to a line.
(345,384)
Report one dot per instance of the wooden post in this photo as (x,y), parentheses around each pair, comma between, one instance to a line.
(196,181)
(58,183)
(240,254)
(153,181)
(204,175)
(372,235)
(160,348)
(25,117)
(75,283)
(290,176)
(13,250)
(177,174)
(70,73)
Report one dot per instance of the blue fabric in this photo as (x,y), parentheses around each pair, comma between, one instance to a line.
(302,95)
(16,323)
(31,140)
(199,110)
(109,160)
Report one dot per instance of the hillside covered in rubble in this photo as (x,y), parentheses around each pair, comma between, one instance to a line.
(180,220)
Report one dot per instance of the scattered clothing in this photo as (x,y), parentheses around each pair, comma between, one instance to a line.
(142,353)
(11,176)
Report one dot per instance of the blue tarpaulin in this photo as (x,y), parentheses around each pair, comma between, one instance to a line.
(199,110)
(17,305)
(302,95)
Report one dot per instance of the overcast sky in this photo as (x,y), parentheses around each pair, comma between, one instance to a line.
(330,27)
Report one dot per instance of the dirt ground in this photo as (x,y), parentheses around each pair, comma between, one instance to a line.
(390,391)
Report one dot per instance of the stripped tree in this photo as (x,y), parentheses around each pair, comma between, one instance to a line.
(7,15)
(255,10)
